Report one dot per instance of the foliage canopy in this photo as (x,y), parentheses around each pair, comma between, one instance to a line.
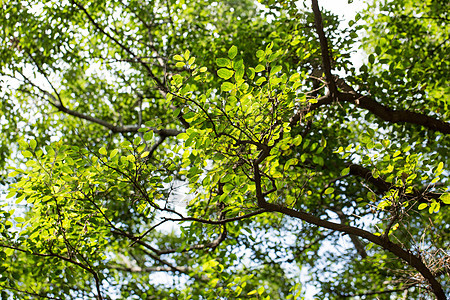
(227,145)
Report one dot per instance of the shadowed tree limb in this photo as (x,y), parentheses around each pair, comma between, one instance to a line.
(381,111)
(326,58)
(385,243)
(349,95)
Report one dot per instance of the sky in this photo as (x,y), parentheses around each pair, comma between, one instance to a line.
(342,8)
(347,12)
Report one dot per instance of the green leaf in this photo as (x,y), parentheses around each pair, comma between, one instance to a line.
(186,54)
(291,162)
(260,80)
(378,50)
(275,70)
(27,154)
(437,171)
(227,86)
(178,57)
(148,136)
(102,151)
(345,171)
(329,191)
(261,290)
(297,140)
(445,198)
(33,144)
(183,136)
(232,52)
(113,153)
(191,61)
(225,73)
(223,62)
(259,68)
(422,206)
(294,77)
(137,140)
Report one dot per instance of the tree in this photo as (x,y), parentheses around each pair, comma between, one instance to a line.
(226,146)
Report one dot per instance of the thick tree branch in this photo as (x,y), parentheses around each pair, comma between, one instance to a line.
(381,111)
(326,58)
(406,255)
(395,116)
(385,243)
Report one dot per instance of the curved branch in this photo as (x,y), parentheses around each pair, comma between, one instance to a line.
(381,111)
(395,116)
(406,255)
(385,243)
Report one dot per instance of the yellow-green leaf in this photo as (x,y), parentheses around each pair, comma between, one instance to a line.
(422,206)
(259,68)
(113,153)
(329,191)
(225,73)
(227,86)
(439,168)
(345,171)
(222,61)
(33,144)
(445,198)
(178,57)
(232,52)
(27,154)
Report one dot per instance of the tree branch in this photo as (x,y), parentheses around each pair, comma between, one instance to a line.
(381,111)
(326,58)
(122,46)
(395,116)
(386,244)
(114,128)
(69,260)
(214,222)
